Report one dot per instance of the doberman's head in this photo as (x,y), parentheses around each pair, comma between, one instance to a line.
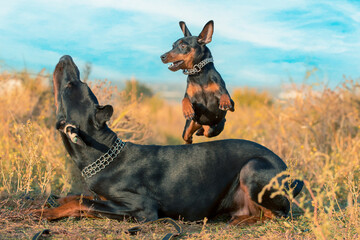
(189,50)
(78,112)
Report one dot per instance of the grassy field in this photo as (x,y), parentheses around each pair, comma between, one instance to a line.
(317,133)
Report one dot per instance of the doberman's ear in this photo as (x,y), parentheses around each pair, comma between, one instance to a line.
(206,34)
(103,114)
(184,29)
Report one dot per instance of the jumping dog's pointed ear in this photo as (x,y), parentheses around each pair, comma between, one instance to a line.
(184,29)
(206,34)
(70,131)
(103,114)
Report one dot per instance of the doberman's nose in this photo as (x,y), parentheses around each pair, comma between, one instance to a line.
(65,58)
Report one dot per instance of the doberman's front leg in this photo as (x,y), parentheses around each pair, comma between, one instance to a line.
(190,127)
(139,208)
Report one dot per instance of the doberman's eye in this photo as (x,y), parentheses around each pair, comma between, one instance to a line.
(182,46)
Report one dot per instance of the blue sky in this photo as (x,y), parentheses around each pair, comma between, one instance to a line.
(255,43)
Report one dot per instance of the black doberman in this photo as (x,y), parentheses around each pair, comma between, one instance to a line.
(206,99)
(149,181)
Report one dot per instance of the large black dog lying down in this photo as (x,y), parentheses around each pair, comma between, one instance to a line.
(148,181)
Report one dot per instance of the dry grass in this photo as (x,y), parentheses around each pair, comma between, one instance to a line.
(317,134)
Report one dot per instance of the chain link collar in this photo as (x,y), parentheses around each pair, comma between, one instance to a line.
(100,163)
(197,67)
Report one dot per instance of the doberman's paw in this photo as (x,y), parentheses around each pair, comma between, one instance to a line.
(188,110)
(226,103)
(36,213)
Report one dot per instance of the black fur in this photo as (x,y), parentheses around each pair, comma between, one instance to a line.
(149,181)
(205,90)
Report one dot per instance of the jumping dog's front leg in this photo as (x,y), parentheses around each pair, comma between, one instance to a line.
(217,86)
(187,108)
(226,103)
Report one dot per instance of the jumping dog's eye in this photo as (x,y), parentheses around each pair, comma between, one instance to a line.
(182,46)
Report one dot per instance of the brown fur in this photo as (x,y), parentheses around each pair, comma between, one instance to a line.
(187,58)
(224,100)
(190,131)
(247,211)
(212,87)
(72,207)
(193,89)
(187,106)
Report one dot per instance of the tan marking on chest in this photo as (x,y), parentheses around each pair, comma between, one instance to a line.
(212,87)
(193,89)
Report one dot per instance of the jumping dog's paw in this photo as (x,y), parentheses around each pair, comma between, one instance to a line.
(226,103)
(189,115)
(188,110)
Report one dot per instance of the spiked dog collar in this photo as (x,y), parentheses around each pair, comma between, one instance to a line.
(197,67)
(100,163)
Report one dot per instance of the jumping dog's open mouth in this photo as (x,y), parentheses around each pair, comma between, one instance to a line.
(175,65)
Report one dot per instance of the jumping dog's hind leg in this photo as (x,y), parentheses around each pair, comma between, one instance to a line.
(213,131)
(190,127)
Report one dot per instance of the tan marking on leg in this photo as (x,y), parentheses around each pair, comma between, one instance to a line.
(225,99)
(248,212)
(73,208)
(193,127)
(206,130)
(187,107)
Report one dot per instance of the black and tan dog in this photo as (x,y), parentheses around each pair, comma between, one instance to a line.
(148,181)
(206,99)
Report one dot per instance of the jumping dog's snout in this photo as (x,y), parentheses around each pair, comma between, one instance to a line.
(163,58)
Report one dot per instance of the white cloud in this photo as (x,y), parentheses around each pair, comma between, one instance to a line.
(246,22)
(118,46)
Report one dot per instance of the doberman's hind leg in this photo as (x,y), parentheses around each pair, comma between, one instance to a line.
(246,206)
(245,210)
(213,131)
(190,127)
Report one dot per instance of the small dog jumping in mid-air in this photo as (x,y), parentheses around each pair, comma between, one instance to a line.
(206,99)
